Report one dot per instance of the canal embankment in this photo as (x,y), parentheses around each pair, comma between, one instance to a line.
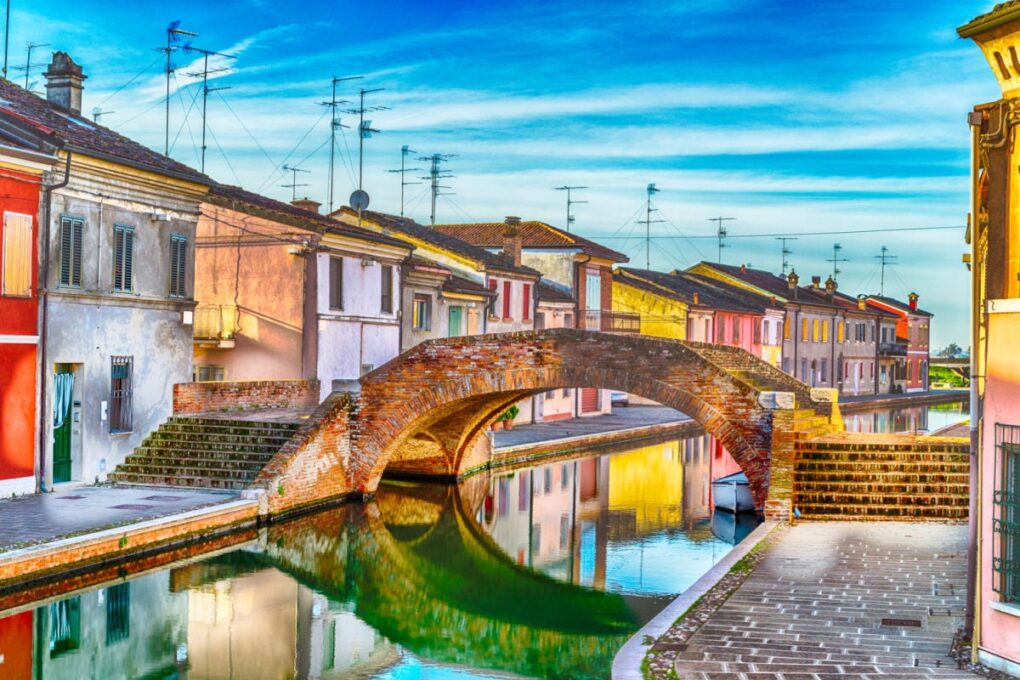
(870,402)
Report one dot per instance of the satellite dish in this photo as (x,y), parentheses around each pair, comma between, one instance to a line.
(359,199)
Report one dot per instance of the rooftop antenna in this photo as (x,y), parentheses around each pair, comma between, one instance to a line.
(334,125)
(405,150)
(887,260)
(204,73)
(570,202)
(27,68)
(293,181)
(786,251)
(365,128)
(836,259)
(650,191)
(7,35)
(173,35)
(436,173)
(721,232)
(98,113)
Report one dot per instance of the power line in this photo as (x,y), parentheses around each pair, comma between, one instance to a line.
(245,128)
(405,150)
(786,251)
(721,232)
(272,177)
(128,83)
(803,233)
(570,202)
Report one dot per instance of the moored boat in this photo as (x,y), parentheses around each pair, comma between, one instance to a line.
(733,493)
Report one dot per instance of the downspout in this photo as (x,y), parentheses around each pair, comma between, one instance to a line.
(878,334)
(971,624)
(577,321)
(44,317)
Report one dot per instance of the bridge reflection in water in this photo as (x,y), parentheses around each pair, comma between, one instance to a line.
(541,572)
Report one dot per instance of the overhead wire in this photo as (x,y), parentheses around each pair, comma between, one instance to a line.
(128,83)
(245,128)
(797,233)
(279,169)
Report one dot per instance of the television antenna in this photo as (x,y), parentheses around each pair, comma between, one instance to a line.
(786,251)
(293,180)
(721,232)
(98,113)
(436,173)
(405,151)
(334,125)
(570,202)
(835,260)
(27,68)
(204,74)
(173,35)
(365,128)
(887,260)
(650,191)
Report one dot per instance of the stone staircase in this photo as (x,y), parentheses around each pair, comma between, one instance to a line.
(754,371)
(876,477)
(212,453)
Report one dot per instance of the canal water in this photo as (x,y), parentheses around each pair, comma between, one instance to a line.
(540,572)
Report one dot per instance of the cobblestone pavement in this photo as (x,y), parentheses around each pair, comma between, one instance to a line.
(841,600)
(622,418)
(44,517)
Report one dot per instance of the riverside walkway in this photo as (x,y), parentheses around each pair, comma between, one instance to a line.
(836,600)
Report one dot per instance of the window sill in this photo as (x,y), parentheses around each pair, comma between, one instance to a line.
(121,435)
(1010,608)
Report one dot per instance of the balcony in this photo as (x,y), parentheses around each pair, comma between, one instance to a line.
(609,322)
(892,349)
(215,325)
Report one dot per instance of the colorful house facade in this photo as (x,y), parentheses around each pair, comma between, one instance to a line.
(993,612)
(21,176)
(286,293)
(913,330)
(117,226)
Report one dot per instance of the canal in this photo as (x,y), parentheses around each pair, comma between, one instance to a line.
(542,572)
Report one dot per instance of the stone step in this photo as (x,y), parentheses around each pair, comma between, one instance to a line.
(177,480)
(883,488)
(145,453)
(893,499)
(171,447)
(208,472)
(160,436)
(890,445)
(212,426)
(239,462)
(880,512)
(806,453)
(857,476)
(228,422)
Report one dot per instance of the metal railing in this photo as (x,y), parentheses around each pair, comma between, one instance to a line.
(1006,513)
(890,349)
(609,322)
(215,322)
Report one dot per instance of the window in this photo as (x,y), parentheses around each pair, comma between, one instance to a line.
(65,626)
(123,258)
(840,331)
(422,313)
(786,364)
(386,303)
(825,331)
(336,283)
(506,299)
(120,394)
(568,320)
(814,330)
(758,332)
(526,303)
(825,371)
(17,264)
(118,613)
(786,330)
(178,265)
(210,373)
(736,329)
(71,229)
(804,370)
(1006,514)
(720,330)
(804,330)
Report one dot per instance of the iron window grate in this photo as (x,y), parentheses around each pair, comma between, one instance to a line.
(121,392)
(1006,513)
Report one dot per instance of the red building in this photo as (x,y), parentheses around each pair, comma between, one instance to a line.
(21,173)
(913,327)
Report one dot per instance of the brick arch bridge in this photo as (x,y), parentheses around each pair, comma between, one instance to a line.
(425,411)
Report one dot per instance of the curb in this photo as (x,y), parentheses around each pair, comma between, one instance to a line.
(627,662)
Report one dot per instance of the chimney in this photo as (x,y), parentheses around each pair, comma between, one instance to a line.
(912,299)
(697,299)
(816,282)
(862,301)
(306,204)
(830,287)
(512,242)
(743,269)
(64,83)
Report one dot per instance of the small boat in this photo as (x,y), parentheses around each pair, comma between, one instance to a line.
(733,493)
(733,527)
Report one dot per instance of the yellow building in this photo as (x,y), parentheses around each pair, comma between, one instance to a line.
(663,313)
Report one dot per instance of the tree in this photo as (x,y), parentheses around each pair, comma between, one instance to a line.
(952,350)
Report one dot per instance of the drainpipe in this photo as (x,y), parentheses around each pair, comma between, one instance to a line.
(878,335)
(970,624)
(44,316)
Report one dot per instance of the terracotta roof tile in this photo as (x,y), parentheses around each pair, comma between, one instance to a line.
(551,293)
(534,234)
(684,285)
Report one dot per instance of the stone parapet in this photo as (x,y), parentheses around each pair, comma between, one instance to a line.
(210,397)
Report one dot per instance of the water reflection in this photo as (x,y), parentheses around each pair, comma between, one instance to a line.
(910,419)
(542,572)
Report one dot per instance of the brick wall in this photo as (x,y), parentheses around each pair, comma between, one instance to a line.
(204,397)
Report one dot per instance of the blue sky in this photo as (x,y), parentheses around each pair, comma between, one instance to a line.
(788,116)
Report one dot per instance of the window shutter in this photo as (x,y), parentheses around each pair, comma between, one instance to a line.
(174,290)
(77,226)
(336,283)
(17,254)
(65,251)
(526,302)
(118,259)
(178,265)
(129,258)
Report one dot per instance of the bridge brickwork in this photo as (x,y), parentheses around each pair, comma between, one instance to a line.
(423,413)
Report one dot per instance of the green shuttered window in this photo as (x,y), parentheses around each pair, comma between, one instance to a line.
(123,258)
(71,229)
(1006,513)
(178,265)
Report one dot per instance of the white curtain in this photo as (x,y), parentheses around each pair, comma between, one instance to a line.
(63,386)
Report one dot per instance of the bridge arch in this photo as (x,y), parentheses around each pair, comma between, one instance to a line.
(422,412)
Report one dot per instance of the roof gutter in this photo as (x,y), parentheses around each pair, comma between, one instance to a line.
(988,22)
(44,316)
